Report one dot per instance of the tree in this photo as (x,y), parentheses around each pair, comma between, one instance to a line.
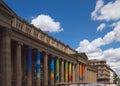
(117,80)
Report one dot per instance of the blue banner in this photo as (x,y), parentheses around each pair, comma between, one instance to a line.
(38,65)
(52,69)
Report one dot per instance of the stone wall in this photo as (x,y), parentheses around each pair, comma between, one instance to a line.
(91,75)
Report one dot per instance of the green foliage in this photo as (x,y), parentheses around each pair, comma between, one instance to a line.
(117,80)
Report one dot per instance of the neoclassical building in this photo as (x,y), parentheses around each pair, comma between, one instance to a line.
(30,57)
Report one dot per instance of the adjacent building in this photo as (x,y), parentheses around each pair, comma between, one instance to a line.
(105,74)
(113,76)
(30,57)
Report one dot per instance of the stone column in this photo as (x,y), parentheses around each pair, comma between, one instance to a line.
(45,70)
(6,58)
(18,66)
(62,71)
(73,76)
(77,73)
(0,57)
(84,73)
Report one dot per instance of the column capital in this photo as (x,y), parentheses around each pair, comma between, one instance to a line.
(30,47)
(61,59)
(51,55)
(44,52)
(38,50)
(19,43)
(6,31)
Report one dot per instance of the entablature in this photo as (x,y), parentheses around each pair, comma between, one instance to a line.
(31,30)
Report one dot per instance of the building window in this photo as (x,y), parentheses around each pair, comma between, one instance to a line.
(28,30)
(101,75)
(35,33)
(53,42)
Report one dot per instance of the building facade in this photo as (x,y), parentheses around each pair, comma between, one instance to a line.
(111,76)
(103,75)
(91,74)
(30,57)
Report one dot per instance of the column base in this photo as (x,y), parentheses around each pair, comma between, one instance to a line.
(52,83)
(29,83)
(45,84)
(38,83)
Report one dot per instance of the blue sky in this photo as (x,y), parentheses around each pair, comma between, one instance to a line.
(91,26)
(74,17)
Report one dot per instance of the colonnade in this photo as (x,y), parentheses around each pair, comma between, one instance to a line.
(24,65)
(80,73)
(53,68)
(28,63)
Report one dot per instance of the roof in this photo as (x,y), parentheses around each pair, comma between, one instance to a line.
(4,7)
(97,60)
(83,55)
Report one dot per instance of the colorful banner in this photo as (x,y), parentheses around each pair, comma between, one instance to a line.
(52,69)
(38,65)
(29,63)
(57,70)
(83,70)
(70,72)
(80,72)
(66,71)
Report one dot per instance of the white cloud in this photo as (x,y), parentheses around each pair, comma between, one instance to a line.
(98,42)
(113,35)
(46,23)
(107,12)
(94,51)
(95,13)
(113,58)
(110,13)
(101,27)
